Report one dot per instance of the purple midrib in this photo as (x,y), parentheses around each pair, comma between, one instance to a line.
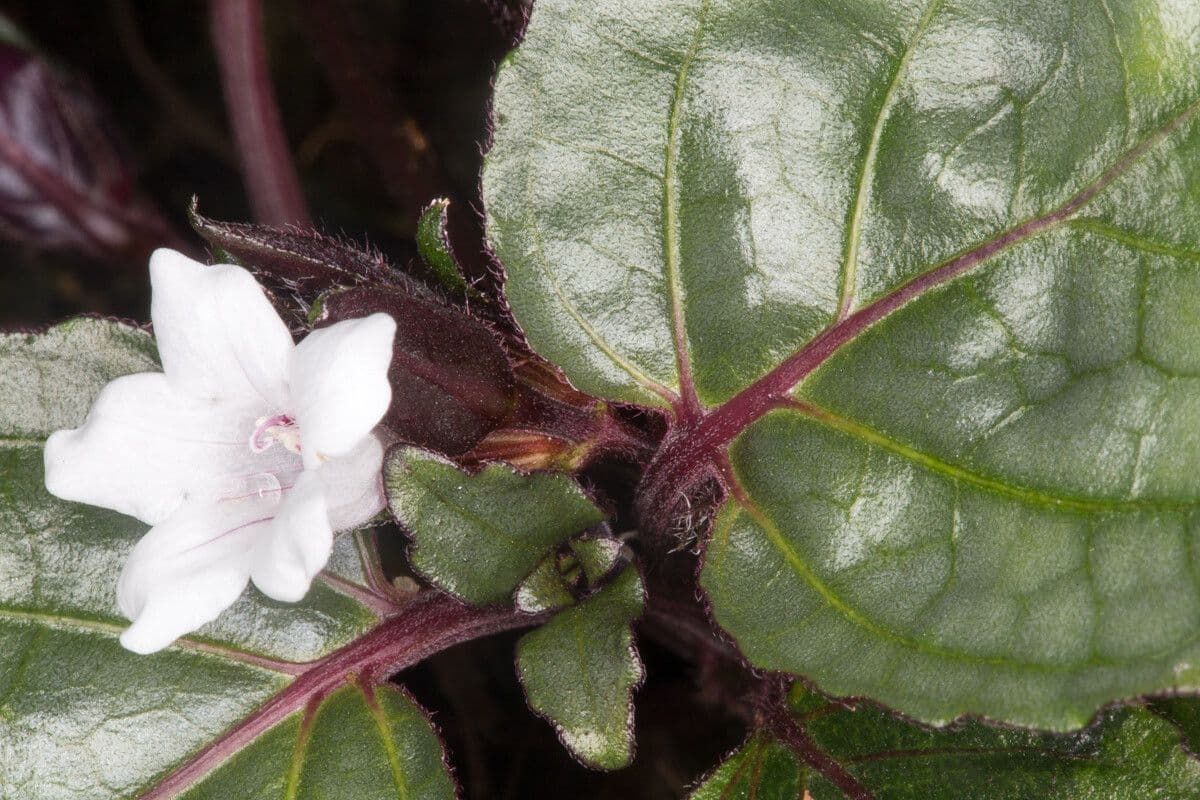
(428,624)
(693,448)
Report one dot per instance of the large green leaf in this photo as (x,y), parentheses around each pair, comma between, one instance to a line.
(963,236)
(579,671)
(80,717)
(478,536)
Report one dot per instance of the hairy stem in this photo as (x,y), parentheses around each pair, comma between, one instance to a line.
(267,169)
(426,625)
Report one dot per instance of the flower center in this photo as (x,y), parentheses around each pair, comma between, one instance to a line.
(279,428)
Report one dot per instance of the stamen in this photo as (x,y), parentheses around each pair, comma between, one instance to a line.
(269,430)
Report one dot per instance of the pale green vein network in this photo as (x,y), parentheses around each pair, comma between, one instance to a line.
(544,267)
(385,735)
(857,618)
(850,270)
(957,473)
(1135,241)
(296,767)
(113,630)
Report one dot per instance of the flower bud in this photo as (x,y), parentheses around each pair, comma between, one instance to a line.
(451,381)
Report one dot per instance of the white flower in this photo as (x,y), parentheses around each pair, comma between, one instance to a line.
(245,453)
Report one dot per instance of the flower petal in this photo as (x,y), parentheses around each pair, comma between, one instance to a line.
(218,335)
(339,385)
(190,568)
(297,545)
(145,447)
(353,485)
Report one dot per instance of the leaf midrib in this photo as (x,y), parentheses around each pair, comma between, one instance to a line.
(726,422)
(671,223)
(112,630)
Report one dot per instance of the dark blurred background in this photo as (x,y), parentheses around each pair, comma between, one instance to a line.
(385,106)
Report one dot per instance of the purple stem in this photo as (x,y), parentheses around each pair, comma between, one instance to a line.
(270,176)
(426,625)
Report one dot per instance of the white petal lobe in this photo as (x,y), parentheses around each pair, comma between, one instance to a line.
(217,333)
(189,568)
(145,447)
(289,555)
(339,385)
(353,485)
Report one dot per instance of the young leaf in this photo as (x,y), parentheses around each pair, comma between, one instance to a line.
(579,671)
(433,242)
(545,589)
(597,555)
(971,273)
(477,536)
(560,577)
(1184,713)
(761,769)
(83,717)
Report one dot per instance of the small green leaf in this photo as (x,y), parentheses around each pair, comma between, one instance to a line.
(544,589)
(1184,713)
(356,744)
(477,536)
(433,243)
(761,769)
(579,671)
(598,555)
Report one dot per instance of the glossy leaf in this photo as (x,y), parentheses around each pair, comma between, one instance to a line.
(356,743)
(761,769)
(579,671)
(962,236)
(478,536)
(79,715)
